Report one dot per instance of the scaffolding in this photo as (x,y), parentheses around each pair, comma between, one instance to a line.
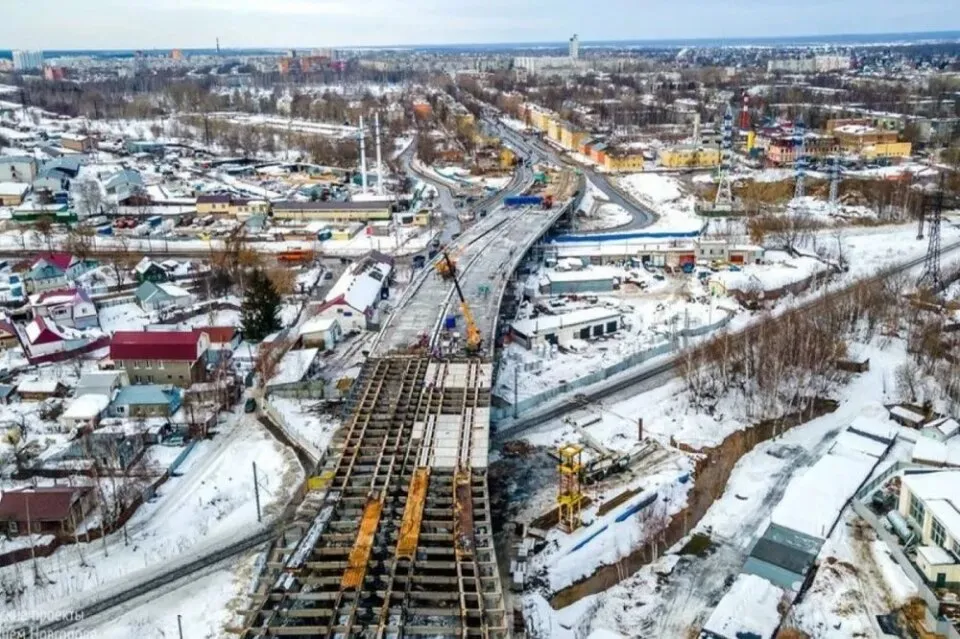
(570,496)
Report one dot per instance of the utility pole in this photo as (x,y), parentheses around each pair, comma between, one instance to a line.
(180,626)
(256,494)
(640,428)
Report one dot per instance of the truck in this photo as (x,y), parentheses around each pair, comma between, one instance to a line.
(155,221)
(514,201)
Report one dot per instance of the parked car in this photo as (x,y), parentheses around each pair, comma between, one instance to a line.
(250,406)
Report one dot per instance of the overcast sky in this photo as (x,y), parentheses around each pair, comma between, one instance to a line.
(147,24)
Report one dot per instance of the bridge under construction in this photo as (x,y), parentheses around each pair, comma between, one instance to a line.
(394,536)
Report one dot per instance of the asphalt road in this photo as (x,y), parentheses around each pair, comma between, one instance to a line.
(538,150)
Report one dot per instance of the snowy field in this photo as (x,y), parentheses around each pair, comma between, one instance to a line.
(667,198)
(211,502)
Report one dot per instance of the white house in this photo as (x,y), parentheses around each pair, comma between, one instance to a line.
(322,332)
(67,307)
(930,502)
(84,411)
(354,300)
(560,329)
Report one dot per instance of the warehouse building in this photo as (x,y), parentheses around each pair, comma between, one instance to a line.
(331,211)
(591,280)
(560,329)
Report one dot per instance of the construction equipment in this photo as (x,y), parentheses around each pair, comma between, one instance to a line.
(570,494)
(447,267)
(474,339)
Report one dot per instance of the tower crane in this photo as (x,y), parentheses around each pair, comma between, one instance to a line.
(474,338)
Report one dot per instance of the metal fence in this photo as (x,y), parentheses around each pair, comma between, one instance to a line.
(499,413)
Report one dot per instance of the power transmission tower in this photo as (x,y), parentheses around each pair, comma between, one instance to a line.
(931,266)
(724,190)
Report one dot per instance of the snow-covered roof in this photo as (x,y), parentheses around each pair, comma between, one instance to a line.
(906,414)
(318,325)
(940,494)
(586,275)
(872,427)
(293,366)
(87,407)
(37,385)
(946,426)
(850,441)
(749,609)
(929,450)
(359,286)
(829,484)
(553,322)
(13,188)
(935,555)
(173,290)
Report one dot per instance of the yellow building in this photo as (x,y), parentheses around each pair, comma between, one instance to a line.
(553,129)
(226,205)
(247,208)
(689,157)
(331,211)
(571,137)
(887,150)
(623,162)
(507,158)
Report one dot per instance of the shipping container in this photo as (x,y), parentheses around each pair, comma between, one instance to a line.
(523,200)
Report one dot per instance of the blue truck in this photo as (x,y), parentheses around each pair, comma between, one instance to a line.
(523,200)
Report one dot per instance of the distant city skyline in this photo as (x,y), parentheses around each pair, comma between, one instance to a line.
(161,24)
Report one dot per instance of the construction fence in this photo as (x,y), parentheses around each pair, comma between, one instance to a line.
(499,413)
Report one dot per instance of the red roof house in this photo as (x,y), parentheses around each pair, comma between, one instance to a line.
(56,510)
(161,357)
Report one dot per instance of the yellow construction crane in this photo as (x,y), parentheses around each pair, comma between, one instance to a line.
(447,267)
(474,339)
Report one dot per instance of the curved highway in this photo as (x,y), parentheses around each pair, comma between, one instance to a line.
(537,150)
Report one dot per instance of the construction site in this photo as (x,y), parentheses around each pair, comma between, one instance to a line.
(393,536)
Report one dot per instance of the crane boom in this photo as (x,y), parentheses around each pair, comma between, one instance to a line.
(474,339)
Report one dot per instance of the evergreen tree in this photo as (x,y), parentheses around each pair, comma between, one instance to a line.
(261,306)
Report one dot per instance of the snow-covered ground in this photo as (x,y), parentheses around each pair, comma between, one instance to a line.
(204,604)
(667,607)
(308,422)
(598,213)
(210,500)
(666,197)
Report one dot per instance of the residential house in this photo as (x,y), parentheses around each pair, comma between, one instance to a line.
(67,307)
(294,367)
(78,142)
(42,338)
(36,389)
(55,175)
(126,188)
(154,297)
(148,400)
(322,332)
(101,383)
(147,270)
(17,168)
(8,336)
(50,510)
(354,300)
(12,193)
(163,357)
(54,270)
(224,340)
(930,502)
(84,412)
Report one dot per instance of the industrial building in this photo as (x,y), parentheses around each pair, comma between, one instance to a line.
(560,329)
(331,211)
(930,502)
(12,193)
(18,168)
(592,280)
